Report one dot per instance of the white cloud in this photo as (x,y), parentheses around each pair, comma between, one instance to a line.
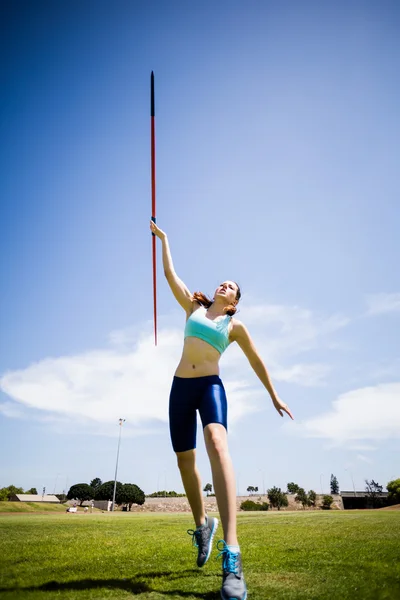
(11,410)
(131,378)
(291,329)
(364,459)
(282,332)
(100,386)
(370,413)
(309,375)
(379,304)
(362,447)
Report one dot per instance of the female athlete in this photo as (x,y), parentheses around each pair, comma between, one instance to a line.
(210,328)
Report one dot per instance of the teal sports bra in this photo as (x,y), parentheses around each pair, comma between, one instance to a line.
(215,333)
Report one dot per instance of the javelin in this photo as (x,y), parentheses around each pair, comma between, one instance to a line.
(153,200)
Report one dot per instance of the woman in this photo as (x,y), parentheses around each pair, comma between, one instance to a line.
(210,328)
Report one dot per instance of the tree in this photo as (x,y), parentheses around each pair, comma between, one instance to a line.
(31,491)
(292,488)
(130,494)
(80,491)
(95,483)
(256,489)
(312,498)
(374,493)
(277,498)
(393,487)
(334,485)
(9,491)
(302,497)
(326,502)
(250,489)
(105,491)
(208,488)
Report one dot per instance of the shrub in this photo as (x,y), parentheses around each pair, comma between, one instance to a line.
(326,502)
(277,498)
(302,497)
(250,505)
(165,494)
(312,498)
(393,487)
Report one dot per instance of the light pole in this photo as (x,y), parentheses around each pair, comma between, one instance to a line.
(320,480)
(121,421)
(55,484)
(352,481)
(263,482)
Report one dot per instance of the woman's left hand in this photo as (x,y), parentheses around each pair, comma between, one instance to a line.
(281,406)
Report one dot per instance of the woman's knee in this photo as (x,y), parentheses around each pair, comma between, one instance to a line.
(186,460)
(216,440)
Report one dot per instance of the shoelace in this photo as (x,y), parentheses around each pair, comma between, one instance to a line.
(196,536)
(229,559)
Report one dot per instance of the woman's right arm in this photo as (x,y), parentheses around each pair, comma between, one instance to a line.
(178,288)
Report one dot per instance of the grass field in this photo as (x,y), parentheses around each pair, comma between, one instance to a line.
(297,556)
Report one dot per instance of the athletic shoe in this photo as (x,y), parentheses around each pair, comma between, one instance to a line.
(202,538)
(233,583)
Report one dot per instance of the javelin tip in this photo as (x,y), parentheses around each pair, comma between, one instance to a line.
(152,107)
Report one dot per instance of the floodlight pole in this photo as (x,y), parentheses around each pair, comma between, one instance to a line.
(121,421)
(352,481)
(263,481)
(55,485)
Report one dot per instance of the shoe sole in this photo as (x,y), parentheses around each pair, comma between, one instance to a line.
(230,598)
(213,530)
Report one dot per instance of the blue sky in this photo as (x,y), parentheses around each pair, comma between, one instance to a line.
(277,128)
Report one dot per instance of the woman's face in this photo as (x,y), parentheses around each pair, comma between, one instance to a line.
(227,290)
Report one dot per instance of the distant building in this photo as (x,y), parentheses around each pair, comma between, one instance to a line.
(49,498)
(352,500)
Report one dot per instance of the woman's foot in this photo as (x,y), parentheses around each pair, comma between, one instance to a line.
(202,539)
(233,583)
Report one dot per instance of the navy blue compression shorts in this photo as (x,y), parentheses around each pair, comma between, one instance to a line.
(189,395)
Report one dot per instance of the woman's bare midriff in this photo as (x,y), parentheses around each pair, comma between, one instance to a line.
(199,359)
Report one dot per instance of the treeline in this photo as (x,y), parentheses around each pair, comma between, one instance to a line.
(125,493)
(293,488)
(278,499)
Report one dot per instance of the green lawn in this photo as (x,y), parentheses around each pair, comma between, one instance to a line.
(303,556)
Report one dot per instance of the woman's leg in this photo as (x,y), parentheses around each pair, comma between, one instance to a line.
(192,484)
(216,441)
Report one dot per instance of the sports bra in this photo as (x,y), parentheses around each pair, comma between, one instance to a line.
(215,333)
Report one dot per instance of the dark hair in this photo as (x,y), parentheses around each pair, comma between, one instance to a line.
(206,301)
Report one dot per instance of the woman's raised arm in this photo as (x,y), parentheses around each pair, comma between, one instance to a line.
(178,288)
